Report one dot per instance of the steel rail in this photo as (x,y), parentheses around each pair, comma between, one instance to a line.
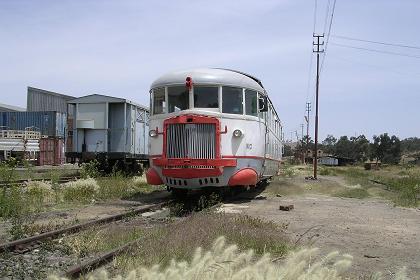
(13,245)
(87,266)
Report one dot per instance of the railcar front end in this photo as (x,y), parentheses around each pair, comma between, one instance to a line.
(209,128)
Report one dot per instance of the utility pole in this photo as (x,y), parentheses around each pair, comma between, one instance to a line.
(302,126)
(318,43)
(302,144)
(308,110)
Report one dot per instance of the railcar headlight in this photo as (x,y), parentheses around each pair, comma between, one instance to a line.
(152,133)
(237,133)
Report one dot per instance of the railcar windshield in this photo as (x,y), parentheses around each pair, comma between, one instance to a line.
(159,101)
(232,100)
(206,97)
(251,98)
(178,97)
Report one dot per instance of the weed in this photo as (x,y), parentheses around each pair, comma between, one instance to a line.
(90,169)
(407,190)
(82,190)
(38,193)
(353,193)
(288,171)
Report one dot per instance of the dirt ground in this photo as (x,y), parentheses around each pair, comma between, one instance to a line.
(378,235)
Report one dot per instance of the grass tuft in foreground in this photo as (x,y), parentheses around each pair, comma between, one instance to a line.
(224,261)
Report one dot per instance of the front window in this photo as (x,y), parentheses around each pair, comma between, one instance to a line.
(159,101)
(251,102)
(232,100)
(178,97)
(206,97)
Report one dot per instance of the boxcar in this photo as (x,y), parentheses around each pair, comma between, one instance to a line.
(109,129)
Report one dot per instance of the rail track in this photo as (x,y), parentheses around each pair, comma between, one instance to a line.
(26,244)
(22,182)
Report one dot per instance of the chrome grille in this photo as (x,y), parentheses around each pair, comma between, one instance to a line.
(191,141)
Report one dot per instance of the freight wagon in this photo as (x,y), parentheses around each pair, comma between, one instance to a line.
(112,130)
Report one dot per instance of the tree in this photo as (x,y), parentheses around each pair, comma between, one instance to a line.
(329,144)
(287,151)
(360,148)
(343,147)
(386,149)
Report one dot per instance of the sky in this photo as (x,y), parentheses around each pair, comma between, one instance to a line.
(119,48)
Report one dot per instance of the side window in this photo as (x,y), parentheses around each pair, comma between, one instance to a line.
(232,100)
(178,99)
(251,102)
(159,104)
(206,97)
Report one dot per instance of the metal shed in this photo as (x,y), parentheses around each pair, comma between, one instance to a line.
(328,160)
(114,127)
(44,100)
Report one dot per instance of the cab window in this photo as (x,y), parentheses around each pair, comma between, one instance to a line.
(251,102)
(178,97)
(206,97)
(232,100)
(159,101)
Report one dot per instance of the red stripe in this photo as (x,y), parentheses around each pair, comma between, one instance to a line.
(251,157)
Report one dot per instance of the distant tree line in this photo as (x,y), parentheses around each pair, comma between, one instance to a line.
(384,148)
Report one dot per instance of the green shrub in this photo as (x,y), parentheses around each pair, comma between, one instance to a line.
(407,190)
(90,169)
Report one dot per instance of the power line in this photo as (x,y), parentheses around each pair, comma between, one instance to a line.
(308,87)
(328,34)
(376,42)
(377,51)
(315,10)
(326,15)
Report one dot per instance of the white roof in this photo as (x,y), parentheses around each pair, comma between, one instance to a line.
(6,107)
(100,98)
(213,76)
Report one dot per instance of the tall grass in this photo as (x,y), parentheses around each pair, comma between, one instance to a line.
(225,261)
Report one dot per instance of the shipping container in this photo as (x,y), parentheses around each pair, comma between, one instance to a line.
(44,100)
(51,151)
(52,124)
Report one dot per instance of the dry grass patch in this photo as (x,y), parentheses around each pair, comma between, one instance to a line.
(179,239)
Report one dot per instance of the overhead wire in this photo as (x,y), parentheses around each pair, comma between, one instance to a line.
(376,42)
(328,36)
(308,87)
(375,50)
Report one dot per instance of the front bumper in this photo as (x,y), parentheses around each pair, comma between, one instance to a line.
(192,168)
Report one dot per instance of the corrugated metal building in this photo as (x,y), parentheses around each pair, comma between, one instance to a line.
(44,100)
(10,108)
(51,124)
(114,126)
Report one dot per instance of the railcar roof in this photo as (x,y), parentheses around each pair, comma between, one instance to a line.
(211,76)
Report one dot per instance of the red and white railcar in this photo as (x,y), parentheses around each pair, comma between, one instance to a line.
(212,128)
